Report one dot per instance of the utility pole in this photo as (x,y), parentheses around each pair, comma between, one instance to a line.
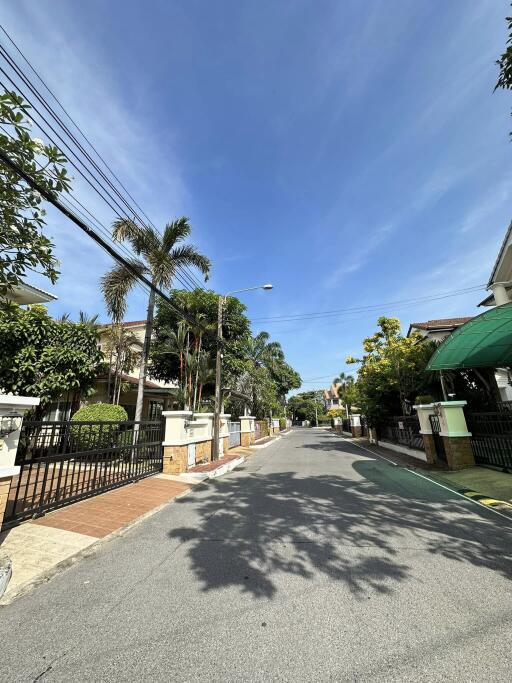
(218,379)
(218,368)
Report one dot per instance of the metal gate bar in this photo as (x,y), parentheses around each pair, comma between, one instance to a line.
(62,462)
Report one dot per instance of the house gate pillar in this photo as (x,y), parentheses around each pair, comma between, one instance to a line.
(12,411)
(424,412)
(246,430)
(454,431)
(355,425)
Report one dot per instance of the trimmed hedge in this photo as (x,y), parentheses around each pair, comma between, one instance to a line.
(282,423)
(89,437)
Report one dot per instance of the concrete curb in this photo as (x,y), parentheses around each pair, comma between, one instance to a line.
(265,445)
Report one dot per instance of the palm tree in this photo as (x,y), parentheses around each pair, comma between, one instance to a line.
(123,348)
(158,257)
(343,379)
(263,355)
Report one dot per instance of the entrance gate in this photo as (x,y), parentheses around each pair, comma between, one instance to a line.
(63,461)
(435,425)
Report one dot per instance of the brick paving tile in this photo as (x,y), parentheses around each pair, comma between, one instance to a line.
(103,514)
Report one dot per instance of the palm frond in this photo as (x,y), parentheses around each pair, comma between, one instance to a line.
(175,232)
(187,255)
(115,286)
(142,239)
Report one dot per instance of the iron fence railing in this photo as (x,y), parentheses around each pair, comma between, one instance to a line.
(346,427)
(491,438)
(61,462)
(234,434)
(403,429)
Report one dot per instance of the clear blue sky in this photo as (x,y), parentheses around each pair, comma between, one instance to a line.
(351,153)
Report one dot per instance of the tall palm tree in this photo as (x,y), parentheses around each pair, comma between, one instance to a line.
(158,257)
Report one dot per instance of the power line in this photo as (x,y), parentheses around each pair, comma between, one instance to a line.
(91,233)
(372,307)
(185,278)
(193,278)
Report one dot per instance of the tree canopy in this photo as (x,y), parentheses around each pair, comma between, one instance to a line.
(392,371)
(23,246)
(252,366)
(306,406)
(505,62)
(40,356)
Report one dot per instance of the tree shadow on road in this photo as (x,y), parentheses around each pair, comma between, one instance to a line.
(251,529)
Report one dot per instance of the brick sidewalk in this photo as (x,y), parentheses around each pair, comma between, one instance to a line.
(110,511)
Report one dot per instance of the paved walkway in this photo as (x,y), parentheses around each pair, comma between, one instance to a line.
(38,548)
(316,561)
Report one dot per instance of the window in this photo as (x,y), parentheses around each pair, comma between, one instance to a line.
(155,410)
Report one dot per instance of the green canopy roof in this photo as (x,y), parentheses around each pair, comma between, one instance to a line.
(483,342)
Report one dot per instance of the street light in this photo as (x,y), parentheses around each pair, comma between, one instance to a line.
(218,366)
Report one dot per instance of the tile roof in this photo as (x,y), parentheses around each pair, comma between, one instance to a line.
(441,323)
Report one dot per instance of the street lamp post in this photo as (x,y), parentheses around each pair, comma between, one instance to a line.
(218,367)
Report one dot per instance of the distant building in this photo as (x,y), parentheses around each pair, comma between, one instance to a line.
(331,398)
(500,281)
(437,330)
(157,394)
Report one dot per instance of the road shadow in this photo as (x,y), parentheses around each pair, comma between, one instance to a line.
(250,529)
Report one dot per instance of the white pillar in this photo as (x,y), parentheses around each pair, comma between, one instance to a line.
(452,419)
(10,406)
(500,293)
(424,412)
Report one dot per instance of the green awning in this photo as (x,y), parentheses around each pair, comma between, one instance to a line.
(483,342)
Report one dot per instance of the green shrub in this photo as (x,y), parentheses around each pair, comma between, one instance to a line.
(282,423)
(89,437)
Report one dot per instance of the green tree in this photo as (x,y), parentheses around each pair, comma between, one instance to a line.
(505,62)
(158,257)
(23,246)
(306,406)
(392,371)
(269,371)
(122,351)
(185,354)
(43,357)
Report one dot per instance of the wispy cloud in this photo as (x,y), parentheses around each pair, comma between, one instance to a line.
(360,257)
(487,206)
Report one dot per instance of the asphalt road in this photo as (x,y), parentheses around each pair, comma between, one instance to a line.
(316,562)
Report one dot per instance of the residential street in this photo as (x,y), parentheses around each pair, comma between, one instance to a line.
(316,561)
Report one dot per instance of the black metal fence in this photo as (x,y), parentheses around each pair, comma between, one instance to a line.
(492,438)
(346,425)
(404,430)
(62,462)
(234,434)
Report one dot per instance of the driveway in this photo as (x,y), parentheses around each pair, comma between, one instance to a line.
(318,561)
